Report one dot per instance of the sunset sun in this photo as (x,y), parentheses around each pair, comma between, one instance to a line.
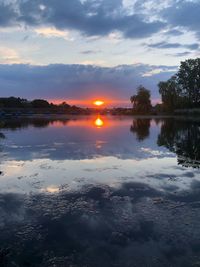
(98,103)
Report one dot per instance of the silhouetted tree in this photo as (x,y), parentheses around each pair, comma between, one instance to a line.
(40,103)
(158,109)
(14,105)
(170,93)
(64,105)
(183,89)
(13,102)
(141,101)
(188,78)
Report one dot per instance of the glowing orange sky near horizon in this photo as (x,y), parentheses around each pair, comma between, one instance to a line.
(108,103)
(91,102)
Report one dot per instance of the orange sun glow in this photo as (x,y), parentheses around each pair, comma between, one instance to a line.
(98,103)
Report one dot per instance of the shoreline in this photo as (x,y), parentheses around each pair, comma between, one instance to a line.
(72,116)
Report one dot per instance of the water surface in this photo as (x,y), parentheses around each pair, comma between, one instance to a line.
(100,191)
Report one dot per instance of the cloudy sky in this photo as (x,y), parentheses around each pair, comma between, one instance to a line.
(78,50)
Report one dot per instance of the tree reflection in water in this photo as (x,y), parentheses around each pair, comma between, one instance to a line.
(2,136)
(141,128)
(183,138)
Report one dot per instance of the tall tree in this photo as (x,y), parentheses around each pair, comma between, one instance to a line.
(189,81)
(183,89)
(141,101)
(170,93)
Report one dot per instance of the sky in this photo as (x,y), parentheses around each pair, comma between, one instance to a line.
(80,50)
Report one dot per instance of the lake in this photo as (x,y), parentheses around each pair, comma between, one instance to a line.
(99,192)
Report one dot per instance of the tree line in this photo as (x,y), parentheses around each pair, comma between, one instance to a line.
(181,91)
(38,105)
(17,102)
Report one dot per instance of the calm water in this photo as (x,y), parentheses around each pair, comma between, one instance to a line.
(98,192)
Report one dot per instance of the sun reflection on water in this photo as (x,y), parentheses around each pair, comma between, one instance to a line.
(99,122)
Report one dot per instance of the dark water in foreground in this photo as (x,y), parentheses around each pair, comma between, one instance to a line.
(115,191)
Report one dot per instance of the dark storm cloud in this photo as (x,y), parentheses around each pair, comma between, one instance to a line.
(165,45)
(89,17)
(100,17)
(79,81)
